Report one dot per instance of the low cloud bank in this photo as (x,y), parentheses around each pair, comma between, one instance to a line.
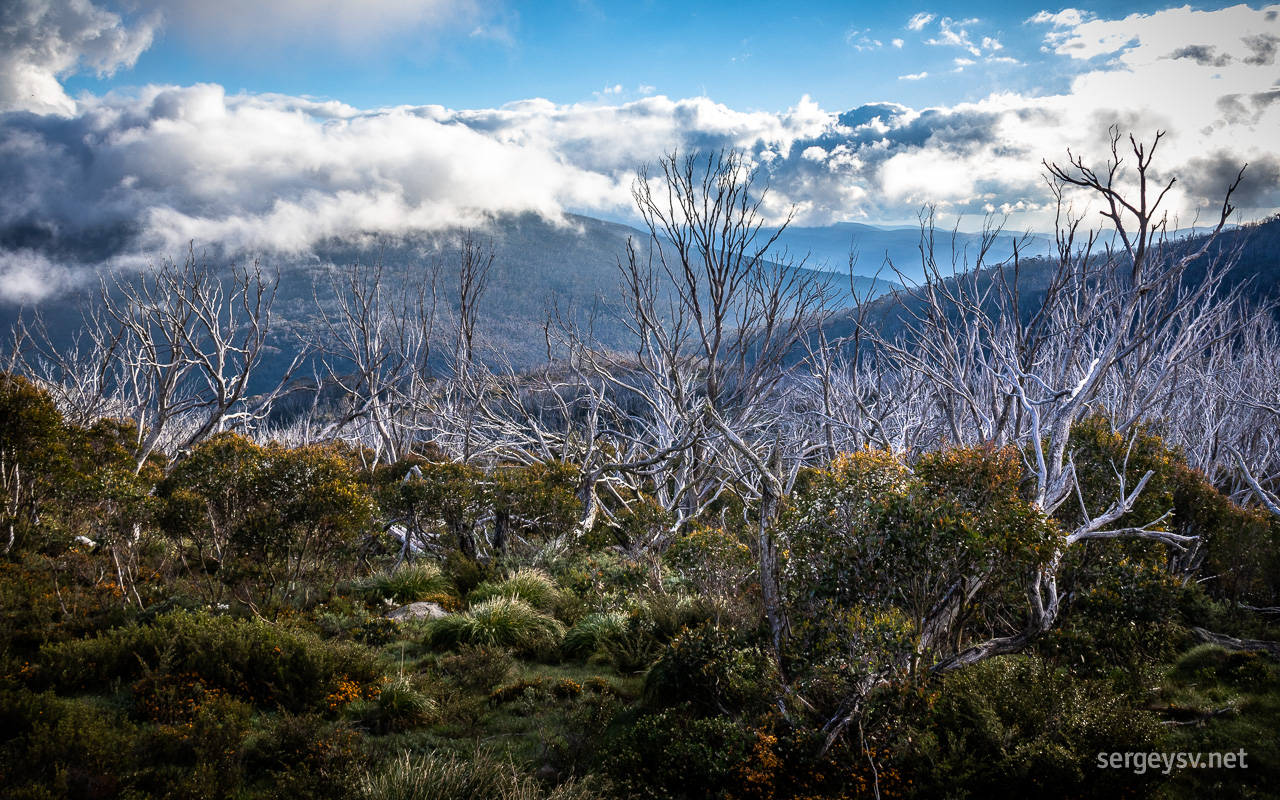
(117,178)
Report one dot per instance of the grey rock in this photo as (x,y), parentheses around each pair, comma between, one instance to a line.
(417,611)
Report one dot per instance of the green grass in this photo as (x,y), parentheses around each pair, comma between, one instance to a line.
(409,584)
(591,632)
(498,622)
(533,586)
(437,776)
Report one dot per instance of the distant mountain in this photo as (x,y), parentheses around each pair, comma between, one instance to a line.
(882,250)
(538,264)
(572,265)
(1252,250)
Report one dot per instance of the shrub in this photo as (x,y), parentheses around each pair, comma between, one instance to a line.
(53,747)
(715,561)
(479,668)
(871,534)
(500,622)
(1017,727)
(707,669)
(533,586)
(300,757)
(400,705)
(592,632)
(260,663)
(674,755)
(270,520)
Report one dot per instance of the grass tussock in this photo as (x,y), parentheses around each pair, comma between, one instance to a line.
(436,776)
(533,586)
(498,622)
(409,584)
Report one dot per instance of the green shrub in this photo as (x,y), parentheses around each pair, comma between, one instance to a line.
(673,755)
(1017,727)
(465,572)
(54,747)
(707,669)
(261,663)
(409,584)
(1247,670)
(478,668)
(533,586)
(500,622)
(401,705)
(300,757)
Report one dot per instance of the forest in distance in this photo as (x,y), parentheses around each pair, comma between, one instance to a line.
(745,529)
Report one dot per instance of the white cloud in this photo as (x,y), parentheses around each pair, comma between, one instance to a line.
(28,276)
(859,40)
(898,43)
(131,175)
(951,34)
(918,22)
(42,41)
(916,76)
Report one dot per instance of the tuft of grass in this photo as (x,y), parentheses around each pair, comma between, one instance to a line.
(408,584)
(499,622)
(590,634)
(401,706)
(533,586)
(437,776)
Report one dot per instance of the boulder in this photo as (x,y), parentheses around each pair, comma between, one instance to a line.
(417,611)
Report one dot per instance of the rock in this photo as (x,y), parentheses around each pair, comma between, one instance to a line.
(417,611)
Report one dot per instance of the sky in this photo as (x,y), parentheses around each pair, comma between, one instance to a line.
(131,127)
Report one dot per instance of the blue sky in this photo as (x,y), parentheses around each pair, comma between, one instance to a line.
(131,127)
(748,55)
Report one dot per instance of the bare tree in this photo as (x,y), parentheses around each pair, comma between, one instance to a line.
(174,350)
(377,328)
(1123,312)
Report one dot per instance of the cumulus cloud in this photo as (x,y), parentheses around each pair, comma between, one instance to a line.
(917,22)
(179,163)
(42,41)
(133,175)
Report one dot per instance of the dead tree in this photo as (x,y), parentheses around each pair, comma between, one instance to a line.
(1105,309)
(376,331)
(174,350)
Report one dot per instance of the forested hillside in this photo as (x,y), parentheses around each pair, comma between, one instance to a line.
(770,547)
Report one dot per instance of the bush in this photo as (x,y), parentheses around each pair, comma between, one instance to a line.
(303,757)
(589,636)
(1017,727)
(53,747)
(400,706)
(257,662)
(533,586)
(271,521)
(708,670)
(479,668)
(500,622)
(673,755)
